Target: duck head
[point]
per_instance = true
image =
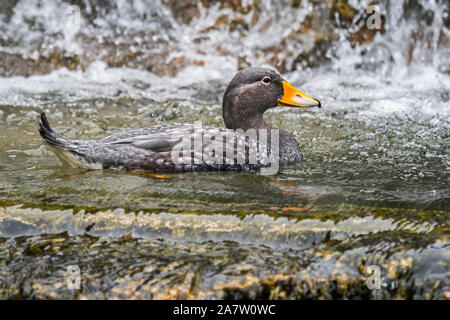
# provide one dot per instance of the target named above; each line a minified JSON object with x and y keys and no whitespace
{"x":252,"y":91}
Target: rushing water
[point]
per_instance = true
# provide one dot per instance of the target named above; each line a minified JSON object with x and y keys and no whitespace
{"x":373,"y":188}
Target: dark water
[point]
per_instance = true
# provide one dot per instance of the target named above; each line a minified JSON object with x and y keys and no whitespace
{"x":373,"y":189}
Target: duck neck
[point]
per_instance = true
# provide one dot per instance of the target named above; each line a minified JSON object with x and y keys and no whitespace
{"x":241,"y":119}
{"x":252,"y":123}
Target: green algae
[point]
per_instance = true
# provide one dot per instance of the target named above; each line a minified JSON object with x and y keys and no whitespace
{"x":140,"y":269}
{"x":190,"y":255}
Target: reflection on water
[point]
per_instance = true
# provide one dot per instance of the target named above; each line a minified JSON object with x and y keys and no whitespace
{"x":373,"y":188}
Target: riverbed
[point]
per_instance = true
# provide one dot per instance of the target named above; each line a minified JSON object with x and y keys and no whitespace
{"x":373,"y":189}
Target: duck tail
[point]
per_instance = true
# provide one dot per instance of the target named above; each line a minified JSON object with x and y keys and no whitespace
{"x":68,"y":151}
{"x":47,"y":133}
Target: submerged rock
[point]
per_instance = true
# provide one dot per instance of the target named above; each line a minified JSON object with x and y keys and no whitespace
{"x":130,"y":268}
{"x":312,"y":254}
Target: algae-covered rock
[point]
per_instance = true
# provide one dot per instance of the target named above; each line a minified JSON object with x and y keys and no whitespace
{"x":129,"y":268}
{"x":313,"y":254}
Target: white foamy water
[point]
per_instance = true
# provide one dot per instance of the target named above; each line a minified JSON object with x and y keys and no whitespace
{"x":386,"y":103}
{"x":392,"y":74}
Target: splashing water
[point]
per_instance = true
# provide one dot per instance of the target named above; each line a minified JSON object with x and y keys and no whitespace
{"x":373,"y":188}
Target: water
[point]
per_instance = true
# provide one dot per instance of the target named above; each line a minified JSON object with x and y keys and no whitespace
{"x":373,"y":188}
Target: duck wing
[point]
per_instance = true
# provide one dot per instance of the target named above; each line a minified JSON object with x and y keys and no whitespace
{"x":160,"y":138}
{"x":173,"y":147}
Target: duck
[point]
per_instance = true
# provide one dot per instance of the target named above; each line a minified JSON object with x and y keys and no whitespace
{"x":247,"y":143}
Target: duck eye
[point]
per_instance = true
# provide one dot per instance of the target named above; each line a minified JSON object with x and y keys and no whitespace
{"x":266,"y":80}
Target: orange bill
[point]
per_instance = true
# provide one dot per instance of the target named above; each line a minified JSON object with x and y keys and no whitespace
{"x":295,"y":98}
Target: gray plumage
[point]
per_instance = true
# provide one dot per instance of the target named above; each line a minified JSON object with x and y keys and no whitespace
{"x":152,"y":149}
